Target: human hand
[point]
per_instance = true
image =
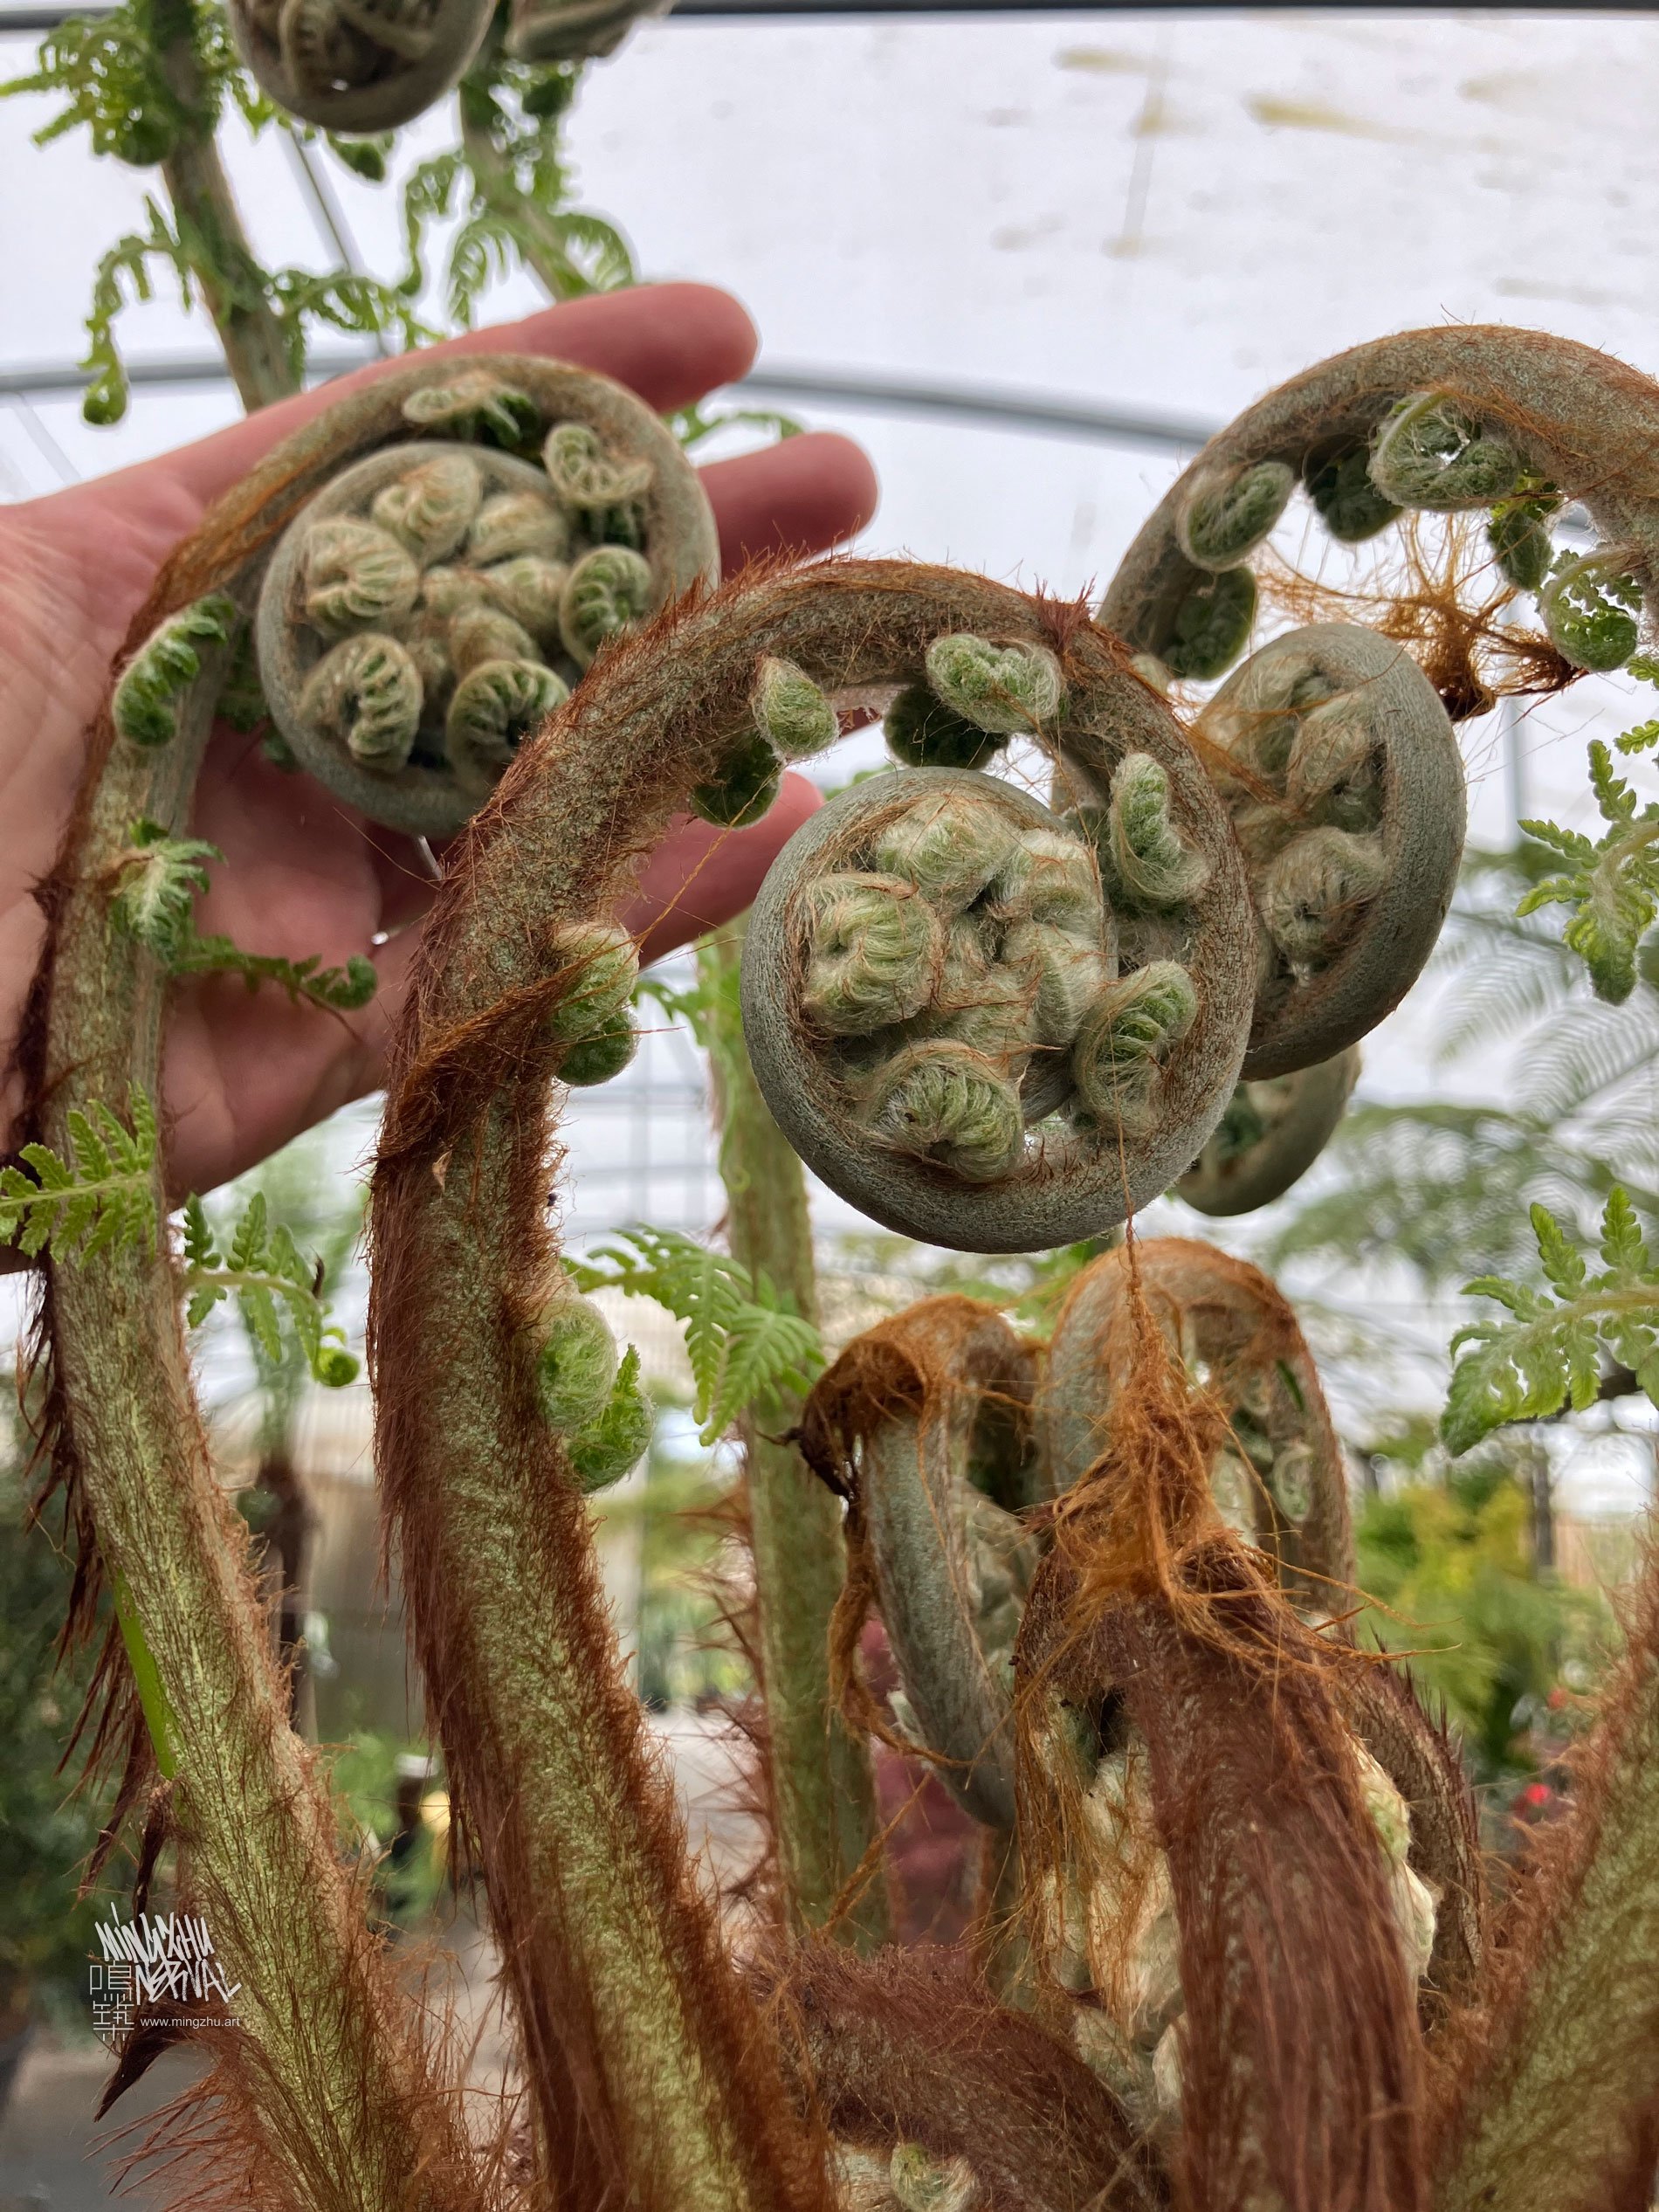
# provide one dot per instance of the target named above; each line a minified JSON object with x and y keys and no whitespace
{"x":303,"y":873}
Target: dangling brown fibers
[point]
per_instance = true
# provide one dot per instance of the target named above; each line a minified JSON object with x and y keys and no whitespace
{"x":1301,"y":2063}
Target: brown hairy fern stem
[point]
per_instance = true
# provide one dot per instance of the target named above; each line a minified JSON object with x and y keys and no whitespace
{"x":1549,"y":2091}
{"x":648,"y":2065}
{"x":330,"y":2096}
{"x":910,"y":2048}
{"x":1300,"y":2065}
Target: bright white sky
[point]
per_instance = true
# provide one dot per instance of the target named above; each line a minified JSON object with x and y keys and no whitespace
{"x":1165,"y":214}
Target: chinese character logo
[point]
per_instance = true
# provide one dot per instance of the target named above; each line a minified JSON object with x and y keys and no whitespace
{"x":152,"y":1967}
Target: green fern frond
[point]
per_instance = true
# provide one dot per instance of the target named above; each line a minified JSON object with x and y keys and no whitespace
{"x":263,"y":1270}
{"x":100,"y":1198}
{"x":157,"y":878}
{"x":1547,"y":1353}
{"x":344,"y":989}
{"x":144,"y":706}
{"x":1613,"y":884}
{"x":745,"y":1341}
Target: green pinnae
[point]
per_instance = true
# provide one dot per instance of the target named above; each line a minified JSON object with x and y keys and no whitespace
{"x":144,"y":705}
{"x":749,"y":782}
{"x":602,"y":1057}
{"x":923,"y":733}
{"x":475,"y":405}
{"x":1519,"y":536}
{"x":1229,"y":512}
{"x":1344,"y":497}
{"x":612,"y":1445}
{"x":576,"y":1364}
{"x":607,"y":591}
{"x":1429,"y":452}
{"x":795,"y":715}
{"x":367,"y":692}
{"x":949,"y":848}
{"x":1590,"y":607}
{"x":583,"y":475}
{"x":945,"y":1102}
{"x":1311,"y":896}
{"x":1000,"y":689}
{"x":496,"y":706}
{"x":602,"y":962}
{"x":429,"y":509}
{"x":512,"y":523}
{"x":1152,"y":863}
{"x":1212,"y":625}
{"x":1125,"y":1037}
{"x":874,"y":951}
{"x":357,"y":576}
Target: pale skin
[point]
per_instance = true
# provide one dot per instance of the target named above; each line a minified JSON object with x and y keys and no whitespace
{"x":303,"y":873}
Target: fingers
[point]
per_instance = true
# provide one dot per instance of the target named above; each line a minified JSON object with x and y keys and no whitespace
{"x":701,"y":876}
{"x":671,"y":343}
{"x":801,"y":496}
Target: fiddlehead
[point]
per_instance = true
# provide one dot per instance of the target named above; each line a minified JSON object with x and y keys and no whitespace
{"x":1341,"y":773}
{"x":1512,"y":421}
{"x":1269,"y":1136}
{"x":923,"y":1422}
{"x":434,"y":601}
{"x":1276,"y":1468}
{"x":358,"y":65}
{"x":965,"y":1021}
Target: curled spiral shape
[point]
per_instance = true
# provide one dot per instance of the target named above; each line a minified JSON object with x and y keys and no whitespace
{"x":924,"y":1423}
{"x":1277,"y":1474}
{"x":1269,"y":1136}
{"x":547,"y":30}
{"x":439,"y":596}
{"x":1513,"y":421}
{"x":358,"y":65}
{"x":953,"y":981}
{"x":1339,"y":768}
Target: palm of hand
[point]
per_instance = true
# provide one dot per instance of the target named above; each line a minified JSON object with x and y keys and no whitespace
{"x":302,"y":874}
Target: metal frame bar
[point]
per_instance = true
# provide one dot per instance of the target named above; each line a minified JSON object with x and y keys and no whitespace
{"x":38,"y":19}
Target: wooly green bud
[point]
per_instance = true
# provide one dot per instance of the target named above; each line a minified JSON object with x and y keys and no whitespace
{"x":475,"y":404}
{"x":495,"y":708}
{"x":601,"y":1056}
{"x":478,"y":634}
{"x":944,"y":1101}
{"x":602,"y":962}
{"x":1062,"y":974}
{"x":1519,"y":536}
{"x":1344,"y":497}
{"x":356,"y":576}
{"x":512,"y":523}
{"x":747,"y":784}
{"x":368,"y":691}
{"x":1212,"y":625}
{"x":1430,"y":453}
{"x":613,"y":1445}
{"x":430,"y":508}
{"x":1590,"y":607}
{"x":923,"y":733}
{"x":1152,"y":863}
{"x":1310,"y":898}
{"x":1332,"y":764}
{"x":531,"y":588}
{"x":1126,"y":1036}
{"x":1002,"y":689}
{"x":608,"y":590}
{"x":875,"y":948}
{"x":584,"y":475}
{"x":1051,"y":877}
{"x":1229,"y":512}
{"x":950,"y":851}
{"x":576,"y":1364}
{"x":145,"y":707}
{"x":792,"y":713}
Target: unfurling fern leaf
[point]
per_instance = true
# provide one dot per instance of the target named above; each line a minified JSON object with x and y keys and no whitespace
{"x":157,"y":880}
{"x":745,"y":1341}
{"x":1548,"y":1355}
{"x":268,"y":1276}
{"x":99,"y":1198}
{"x":1613,"y":883}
